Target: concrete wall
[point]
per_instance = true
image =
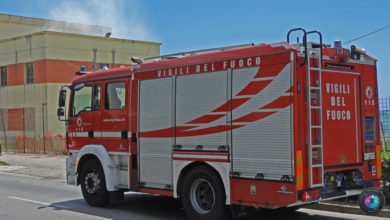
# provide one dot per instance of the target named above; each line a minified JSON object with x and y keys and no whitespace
{"x":22,"y":49}
{"x":72,"y":47}
{"x":80,"y":48}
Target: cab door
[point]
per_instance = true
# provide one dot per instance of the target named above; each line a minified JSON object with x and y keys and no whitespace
{"x":115,"y":120}
{"x":85,"y":115}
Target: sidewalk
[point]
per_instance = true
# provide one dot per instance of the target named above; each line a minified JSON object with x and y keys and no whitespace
{"x":37,"y":165}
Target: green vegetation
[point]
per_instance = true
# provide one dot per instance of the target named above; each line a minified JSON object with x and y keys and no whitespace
{"x":386,"y":164}
{"x":385,"y":154}
{"x":2,"y":163}
{"x":386,"y":172}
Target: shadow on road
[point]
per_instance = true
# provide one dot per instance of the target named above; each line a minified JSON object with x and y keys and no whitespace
{"x":142,"y":206}
{"x":135,"y":206}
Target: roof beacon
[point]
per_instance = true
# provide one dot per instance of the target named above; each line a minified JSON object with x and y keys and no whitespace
{"x":83,"y":70}
{"x":337,"y":44}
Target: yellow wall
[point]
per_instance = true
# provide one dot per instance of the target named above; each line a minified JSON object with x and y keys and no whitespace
{"x":63,"y":46}
{"x":22,"y":49}
{"x":33,"y":96}
{"x":12,"y":26}
{"x":80,"y":48}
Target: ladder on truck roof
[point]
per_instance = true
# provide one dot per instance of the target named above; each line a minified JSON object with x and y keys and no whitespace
{"x":188,"y":53}
{"x":314,"y":108}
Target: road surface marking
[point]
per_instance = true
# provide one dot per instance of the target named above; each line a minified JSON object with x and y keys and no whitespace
{"x":21,"y":175}
{"x":56,"y":179}
{"x":338,"y":215}
{"x":348,"y":206}
{"x":37,"y":202}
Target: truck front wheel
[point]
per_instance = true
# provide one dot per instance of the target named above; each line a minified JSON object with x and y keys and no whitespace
{"x":93,"y":184}
{"x":203,"y":195}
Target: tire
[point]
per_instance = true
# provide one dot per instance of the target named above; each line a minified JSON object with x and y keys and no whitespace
{"x":203,"y":195}
{"x":371,"y":201}
{"x":93,"y":184}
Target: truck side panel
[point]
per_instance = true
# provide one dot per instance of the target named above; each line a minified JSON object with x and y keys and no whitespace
{"x":197,"y":97}
{"x":265,"y":145}
{"x":155,"y":112}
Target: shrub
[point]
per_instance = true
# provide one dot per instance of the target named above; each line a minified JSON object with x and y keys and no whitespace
{"x":386,"y":165}
{"x":386,"y":173}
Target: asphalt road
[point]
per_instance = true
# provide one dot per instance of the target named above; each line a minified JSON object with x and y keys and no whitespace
{"x":23,"y":197}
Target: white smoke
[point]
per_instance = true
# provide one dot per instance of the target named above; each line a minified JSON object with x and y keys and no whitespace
{"x":109,"y":13}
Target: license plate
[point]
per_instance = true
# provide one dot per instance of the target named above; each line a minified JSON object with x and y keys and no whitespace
{"x":369,"y":156}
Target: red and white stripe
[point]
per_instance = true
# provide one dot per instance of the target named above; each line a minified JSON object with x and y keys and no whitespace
{"x":201,"y":156}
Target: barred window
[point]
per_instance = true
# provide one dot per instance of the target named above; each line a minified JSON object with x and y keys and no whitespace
{"x":29,"y":73}
{"x":3,"y":76}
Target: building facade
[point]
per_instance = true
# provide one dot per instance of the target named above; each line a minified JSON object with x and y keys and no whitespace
{"x":38,"y":56}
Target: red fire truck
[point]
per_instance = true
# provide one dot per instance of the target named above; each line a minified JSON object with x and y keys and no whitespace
{"x":273,"y":126}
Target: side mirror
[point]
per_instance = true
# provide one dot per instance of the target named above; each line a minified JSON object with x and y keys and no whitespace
{"x":60,"y":112}
{"x":62,"y":105}
{"x":62,"y":98}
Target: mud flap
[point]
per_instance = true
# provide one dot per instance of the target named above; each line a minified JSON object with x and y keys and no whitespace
{"x":372,"y":200}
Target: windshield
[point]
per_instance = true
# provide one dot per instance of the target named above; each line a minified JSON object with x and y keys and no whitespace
{"x":82,"y":100}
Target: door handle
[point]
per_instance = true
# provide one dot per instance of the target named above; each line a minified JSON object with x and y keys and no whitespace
{"x":124,"y":135}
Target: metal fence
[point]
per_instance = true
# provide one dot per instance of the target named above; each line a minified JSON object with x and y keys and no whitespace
{"x":31,"y":130}
{"x":33,"y":144}
{"x":384,"y":109}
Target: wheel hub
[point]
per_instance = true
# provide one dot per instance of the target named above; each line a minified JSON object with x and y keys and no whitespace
{"x":371,"y":201}
{"x":92,"y":182}
{"x":202,"y":196}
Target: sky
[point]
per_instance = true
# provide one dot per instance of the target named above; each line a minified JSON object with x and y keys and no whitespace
{"x":182,"y":25}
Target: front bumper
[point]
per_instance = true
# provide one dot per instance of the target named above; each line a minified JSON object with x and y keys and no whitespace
{"x":71,"y":174}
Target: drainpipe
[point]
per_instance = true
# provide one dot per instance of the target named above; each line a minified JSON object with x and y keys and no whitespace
{"x":43,"y":127}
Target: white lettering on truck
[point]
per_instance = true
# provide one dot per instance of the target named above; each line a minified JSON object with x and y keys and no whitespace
{"x":338,"y":92}
{"x":210,"y":67}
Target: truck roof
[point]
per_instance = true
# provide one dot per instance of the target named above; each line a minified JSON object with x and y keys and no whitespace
{"x":256,"y":49}
{"x":197,"y":58}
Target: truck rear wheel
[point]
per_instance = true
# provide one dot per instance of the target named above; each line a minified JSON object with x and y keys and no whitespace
{"x":93,"y":184}
{"x":203,"y":195}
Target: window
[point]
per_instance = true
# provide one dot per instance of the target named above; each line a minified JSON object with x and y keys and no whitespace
{"x":3,"y":76}
{"x":29,"y":67}
{"x":115,"y":95}
{"x":96,"y":98}
{"x":86,"y":98}
{"x":369,"y":129}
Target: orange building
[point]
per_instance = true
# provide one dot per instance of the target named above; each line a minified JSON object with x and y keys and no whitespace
{"x":37,"y":56}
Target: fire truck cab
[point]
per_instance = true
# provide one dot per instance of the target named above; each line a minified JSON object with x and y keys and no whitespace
{"x":262,"y":125}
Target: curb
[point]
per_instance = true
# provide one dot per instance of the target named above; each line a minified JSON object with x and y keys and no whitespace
{"x":349,"y":209}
